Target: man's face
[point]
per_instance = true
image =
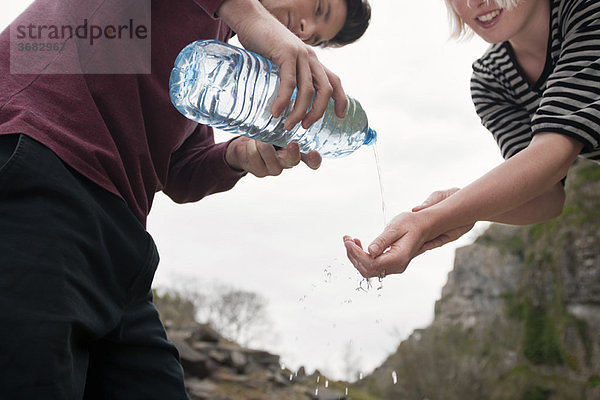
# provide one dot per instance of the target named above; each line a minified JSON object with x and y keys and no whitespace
{"x":313,"y":21}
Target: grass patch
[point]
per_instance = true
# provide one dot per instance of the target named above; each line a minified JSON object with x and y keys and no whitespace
{"x":514,"y":306}
{"x":536,"y":393}
{"x":593,"y":381}
{"x":541,"y":342}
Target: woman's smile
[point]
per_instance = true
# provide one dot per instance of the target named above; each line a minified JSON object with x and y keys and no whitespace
{"x":488,"y":19}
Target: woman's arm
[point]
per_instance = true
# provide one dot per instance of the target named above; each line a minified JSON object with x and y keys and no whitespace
{"x":546,"y":206}
{"x":505,"y":194}
{"x":517,"y":181}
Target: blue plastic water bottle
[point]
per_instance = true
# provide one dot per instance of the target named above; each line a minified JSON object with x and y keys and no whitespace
{"x":233,"y":89}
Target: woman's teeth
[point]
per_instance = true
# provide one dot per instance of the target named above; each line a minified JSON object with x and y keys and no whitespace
{"x":489,"y":16}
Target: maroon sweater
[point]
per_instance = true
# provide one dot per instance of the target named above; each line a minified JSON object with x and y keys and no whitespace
{"x":121,"y":130}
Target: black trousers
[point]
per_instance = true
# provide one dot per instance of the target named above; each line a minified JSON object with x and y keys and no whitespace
{"x":76,"y":267}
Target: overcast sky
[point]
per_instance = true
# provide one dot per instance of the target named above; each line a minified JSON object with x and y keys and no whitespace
{"x":282,"y":236}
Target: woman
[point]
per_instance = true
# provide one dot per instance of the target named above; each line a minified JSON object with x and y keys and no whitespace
{"x":536,"y":90}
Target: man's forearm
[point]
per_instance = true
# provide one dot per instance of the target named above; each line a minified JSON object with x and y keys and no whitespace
{"x":236,"y":12}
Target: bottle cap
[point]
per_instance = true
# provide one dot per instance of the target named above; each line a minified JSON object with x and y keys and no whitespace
{"x":371,"y":137}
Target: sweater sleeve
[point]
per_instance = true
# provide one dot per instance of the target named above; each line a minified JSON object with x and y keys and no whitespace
{"x":210,"y":7}
{"x":571,"y":101}
{"x":198,"y":168}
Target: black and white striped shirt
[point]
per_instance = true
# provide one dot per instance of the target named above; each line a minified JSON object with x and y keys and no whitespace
{"x":565,"y":99}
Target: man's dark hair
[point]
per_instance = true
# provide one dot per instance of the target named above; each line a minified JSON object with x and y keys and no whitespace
{"x":357,"y":22}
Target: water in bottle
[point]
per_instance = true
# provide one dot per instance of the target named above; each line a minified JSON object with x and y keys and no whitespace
{"x":233,"y":89}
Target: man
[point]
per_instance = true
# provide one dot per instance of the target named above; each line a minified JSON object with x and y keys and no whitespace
{"x":83,"y":150}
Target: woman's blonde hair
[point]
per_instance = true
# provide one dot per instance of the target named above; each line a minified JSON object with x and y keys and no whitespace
{"x":458,"y":28}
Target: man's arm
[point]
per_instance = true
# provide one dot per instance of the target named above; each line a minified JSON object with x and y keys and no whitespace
{"x":259,"y":31}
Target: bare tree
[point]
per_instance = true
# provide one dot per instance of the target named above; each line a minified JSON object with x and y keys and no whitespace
{"x":238,"y":315}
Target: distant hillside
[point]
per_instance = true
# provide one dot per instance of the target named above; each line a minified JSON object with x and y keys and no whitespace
{"x":519,"y":317}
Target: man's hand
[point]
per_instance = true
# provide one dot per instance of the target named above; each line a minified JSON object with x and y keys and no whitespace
{"x":262,"y":159}
{"x":259,"y":31}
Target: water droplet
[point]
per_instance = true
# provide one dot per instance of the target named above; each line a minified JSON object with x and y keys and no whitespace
{"x":364,"y":285}
{"x":318,"y":378}
{"x":394,"y":377}
{"x":326,"y":383}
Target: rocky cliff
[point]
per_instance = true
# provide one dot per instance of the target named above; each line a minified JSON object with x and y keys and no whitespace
{"x":218,"y":369}
{"x":519,"y":317}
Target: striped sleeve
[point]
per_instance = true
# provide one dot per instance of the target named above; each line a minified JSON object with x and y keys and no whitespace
{"x":494,"y":97}
{"x":570,"y":105}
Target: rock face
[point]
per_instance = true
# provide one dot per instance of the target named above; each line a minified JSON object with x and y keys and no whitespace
{"x":519,"y":317}
{"x":217,"y":369}
{"x":482,"y":274}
